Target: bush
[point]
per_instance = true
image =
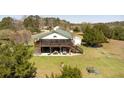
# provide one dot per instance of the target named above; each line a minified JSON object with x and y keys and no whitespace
{"x":68,"y":72}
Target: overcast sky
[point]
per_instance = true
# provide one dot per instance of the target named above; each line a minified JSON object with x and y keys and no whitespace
{"x":80,"y":18}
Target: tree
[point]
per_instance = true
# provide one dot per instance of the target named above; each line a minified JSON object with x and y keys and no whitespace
{"x":5,"y":36}
{"x":57,"y":22}
{"x":68,"y":72}
{"x":14,"y":61}
{"x":18,"y":25}
{"x":105,"y":29}
{"x":26,"y":36}
{"x":83,"y":26}
{"x":118,"y":33}
{"x":7,"y":23}
{"x":32,"y":23}
{"x":22,"y":36}
{"x":76,"y":29}
{"x":94,"y":37}
{"x":16,"y":37}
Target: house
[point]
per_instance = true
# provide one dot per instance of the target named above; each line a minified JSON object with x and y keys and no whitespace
{"x":56,"y":41}
{"x":77,"y":40}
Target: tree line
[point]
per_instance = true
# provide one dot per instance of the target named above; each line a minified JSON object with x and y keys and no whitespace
{"x":35,"y":24}
{"x":94,"y":34}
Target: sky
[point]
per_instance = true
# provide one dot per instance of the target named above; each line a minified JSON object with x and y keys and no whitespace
{"x":79,"y":18}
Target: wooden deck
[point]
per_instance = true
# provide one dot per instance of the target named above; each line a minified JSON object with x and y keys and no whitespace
{"x":55,"y":43}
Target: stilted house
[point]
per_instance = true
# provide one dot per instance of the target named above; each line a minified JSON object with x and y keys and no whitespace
{"x":56,"y":41}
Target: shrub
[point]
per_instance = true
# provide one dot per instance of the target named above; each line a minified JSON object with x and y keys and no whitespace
{"x":68,"y":72}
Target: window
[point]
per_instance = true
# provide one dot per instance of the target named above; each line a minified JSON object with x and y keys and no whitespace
{"x":54,"y":36}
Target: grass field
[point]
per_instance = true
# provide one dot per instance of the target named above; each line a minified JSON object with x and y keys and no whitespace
{"x":108,"y":60}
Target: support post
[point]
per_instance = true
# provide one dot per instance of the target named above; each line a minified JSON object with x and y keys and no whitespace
{"x":50,"y":50}
{"x":60,"y":50}
{"x":70,"y":51}
{"x":41,"y":49}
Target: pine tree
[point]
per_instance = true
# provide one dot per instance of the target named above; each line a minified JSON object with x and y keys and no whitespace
{"x":14,"y":61}
{"x":105,"y":29}
{"x":32,"y":23}
{"x":94,"y":37}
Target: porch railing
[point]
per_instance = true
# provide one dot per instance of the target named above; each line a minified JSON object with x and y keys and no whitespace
{"x":60,"y":42}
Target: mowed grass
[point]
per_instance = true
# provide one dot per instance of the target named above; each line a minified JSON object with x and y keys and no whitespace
{"x":107,"y":62}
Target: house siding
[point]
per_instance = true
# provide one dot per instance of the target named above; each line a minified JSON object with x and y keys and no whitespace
{"x":54,"y":36}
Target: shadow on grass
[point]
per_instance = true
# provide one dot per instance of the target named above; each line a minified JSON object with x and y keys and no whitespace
{"x":92,"y":46}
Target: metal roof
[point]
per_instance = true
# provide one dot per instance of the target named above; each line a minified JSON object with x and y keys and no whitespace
{"x":59,"y":31}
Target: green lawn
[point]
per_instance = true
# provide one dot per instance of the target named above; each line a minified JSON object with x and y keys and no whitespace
{"x":109,"y":65}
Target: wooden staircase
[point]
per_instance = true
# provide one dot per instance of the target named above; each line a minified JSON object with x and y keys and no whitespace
{"x":76,"y":49}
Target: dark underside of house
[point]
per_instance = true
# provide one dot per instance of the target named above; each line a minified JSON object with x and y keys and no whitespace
{"x":54,"y":46}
